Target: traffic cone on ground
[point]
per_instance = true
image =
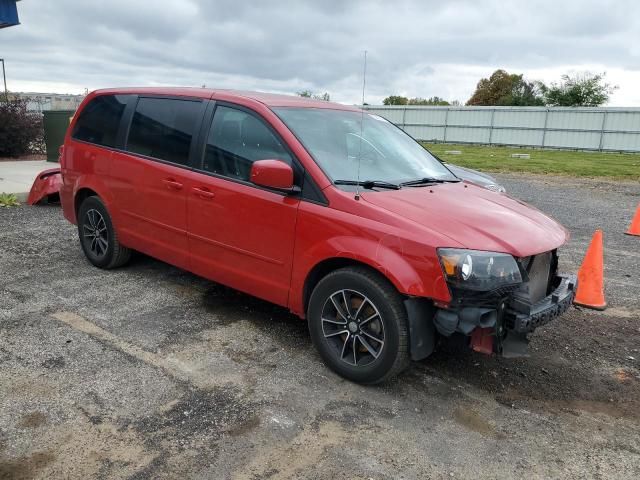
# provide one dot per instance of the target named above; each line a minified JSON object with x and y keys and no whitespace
{"x":590,"y":292}
{"x":634,"y":228}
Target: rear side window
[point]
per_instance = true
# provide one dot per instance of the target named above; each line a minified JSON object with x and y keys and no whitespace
{"x":99,"y":121}
{"x":163,"y":128}
{"x":236,"y":140}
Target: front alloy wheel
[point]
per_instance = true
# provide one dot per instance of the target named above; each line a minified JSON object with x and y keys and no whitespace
{"x":358,"y":324}
{"x":353,"y":327}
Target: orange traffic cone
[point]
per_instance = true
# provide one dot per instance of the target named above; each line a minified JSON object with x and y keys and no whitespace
{"x":590,"y":292}
{"x":634,"y":228}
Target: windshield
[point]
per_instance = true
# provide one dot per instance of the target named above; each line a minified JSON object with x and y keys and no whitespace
{"x":381,"y":151}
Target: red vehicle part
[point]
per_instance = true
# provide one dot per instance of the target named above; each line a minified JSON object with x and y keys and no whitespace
{"x":46,"y":185}
{"x":482,"y":340}
{"x":272,"y":173}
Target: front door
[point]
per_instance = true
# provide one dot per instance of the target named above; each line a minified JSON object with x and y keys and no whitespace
{"x":240,"y":234}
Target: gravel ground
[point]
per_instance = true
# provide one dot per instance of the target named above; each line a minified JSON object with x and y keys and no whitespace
{"x":151,"y":372}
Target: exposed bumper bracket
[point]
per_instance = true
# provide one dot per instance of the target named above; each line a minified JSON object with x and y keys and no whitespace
{"x":524,"y":318}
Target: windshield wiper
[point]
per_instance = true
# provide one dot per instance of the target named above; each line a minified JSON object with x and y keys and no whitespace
{"x":369,"y":184}
{"x":426,"y":180}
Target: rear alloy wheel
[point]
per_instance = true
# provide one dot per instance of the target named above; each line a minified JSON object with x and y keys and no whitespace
{"x":97,"y":236}
{"x":358,"y":324}
{"x":94,"y":233}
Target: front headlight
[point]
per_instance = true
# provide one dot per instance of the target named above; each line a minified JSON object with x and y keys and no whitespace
{"x":478,"y":270}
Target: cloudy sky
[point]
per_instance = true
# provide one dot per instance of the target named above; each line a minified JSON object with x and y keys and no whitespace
{"x":415,"y":47}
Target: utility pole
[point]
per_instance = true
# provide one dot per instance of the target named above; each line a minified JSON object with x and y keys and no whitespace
{"x":4,"y":76}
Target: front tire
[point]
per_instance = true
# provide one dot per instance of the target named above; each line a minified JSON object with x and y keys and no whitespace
{"x":358,"y":324}
{"x":98,"y":238}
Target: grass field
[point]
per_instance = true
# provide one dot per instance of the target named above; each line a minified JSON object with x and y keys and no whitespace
{"x":563,"y":162}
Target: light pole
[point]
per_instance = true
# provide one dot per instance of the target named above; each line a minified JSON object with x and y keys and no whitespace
{"x":4,"y":76}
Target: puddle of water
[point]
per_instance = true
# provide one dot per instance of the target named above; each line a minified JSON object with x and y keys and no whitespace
{"x":473,"y":421}
{"x":25,"y":467}
{"x":33,"y":420}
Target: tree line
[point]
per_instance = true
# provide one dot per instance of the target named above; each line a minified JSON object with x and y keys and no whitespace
{"x":509,"y":89}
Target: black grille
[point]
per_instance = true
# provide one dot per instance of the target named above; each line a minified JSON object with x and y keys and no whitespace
{"x":490,"y":299}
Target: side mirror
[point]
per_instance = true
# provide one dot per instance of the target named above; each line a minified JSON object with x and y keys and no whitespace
{"x":273,"y":174}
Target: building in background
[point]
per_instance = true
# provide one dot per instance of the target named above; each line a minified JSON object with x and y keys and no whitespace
{"x":40,"y":102}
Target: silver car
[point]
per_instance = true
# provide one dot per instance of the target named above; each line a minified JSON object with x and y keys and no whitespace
{"x":479,"y":178}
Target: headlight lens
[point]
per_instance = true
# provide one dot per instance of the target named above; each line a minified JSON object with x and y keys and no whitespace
{"x":478,"y":270}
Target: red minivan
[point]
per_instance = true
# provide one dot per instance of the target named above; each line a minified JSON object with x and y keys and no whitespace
{"x":328,"y":210}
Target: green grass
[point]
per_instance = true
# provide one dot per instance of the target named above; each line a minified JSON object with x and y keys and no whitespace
{"x":557,"y":162}
{"x":8,"y":200}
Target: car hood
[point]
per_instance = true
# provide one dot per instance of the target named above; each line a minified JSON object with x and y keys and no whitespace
{"x":474,"y":217}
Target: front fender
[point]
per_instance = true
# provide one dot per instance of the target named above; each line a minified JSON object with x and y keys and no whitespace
{"x":386,"y":255}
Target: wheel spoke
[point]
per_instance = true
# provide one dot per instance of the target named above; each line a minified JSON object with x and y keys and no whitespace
{"x":99,"y":247}
{"x":344,"y":346}
{"x":347,"y":307}
{"x":365,"y":300}
{"x":338,"y":309}
{"x":368,"y":319}
{"x":372,"y":337}
{"x":336,"y":322}
{"x":333,"y":334}
{"x":355,"y":351}
{"x":93,"y":247}
{"x":103,"y":244}
{"x":368,"y":346}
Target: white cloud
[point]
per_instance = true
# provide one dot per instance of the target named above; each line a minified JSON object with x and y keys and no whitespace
{"x":416,"y":48}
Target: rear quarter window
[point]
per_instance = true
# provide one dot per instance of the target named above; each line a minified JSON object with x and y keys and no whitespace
{"x":163,"y":128}
{"x":99,"y":121}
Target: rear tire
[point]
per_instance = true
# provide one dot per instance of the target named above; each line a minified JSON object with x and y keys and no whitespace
{"x":98,"y":238}
{"x":366,"y":342}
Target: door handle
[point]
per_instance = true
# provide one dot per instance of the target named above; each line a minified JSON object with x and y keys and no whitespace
{"x":172,"y":184}
{"x":201,"y":192}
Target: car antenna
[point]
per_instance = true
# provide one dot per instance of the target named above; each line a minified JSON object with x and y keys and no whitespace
{"x":364,"y":83}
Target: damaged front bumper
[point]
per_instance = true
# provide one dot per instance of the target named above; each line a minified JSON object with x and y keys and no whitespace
{"x":499,"y":321}
{"x":46,"y":185}
{"x":523,"y":317}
